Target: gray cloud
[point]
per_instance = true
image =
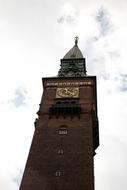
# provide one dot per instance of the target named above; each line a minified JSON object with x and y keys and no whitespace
{"x":19,"y":97}
{"x":66,"y":19}
{"x":123,"y":82}
{"x":102,"y":18}
{"x":114,"y":54}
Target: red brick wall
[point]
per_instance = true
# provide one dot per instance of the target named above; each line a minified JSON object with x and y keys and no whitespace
{"x":75,"y":164}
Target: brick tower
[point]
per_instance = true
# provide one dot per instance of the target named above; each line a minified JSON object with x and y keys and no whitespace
{"x":66,"y":131}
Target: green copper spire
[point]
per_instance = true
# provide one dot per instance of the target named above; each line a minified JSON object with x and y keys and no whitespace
{"x":73,"y":63}
{"x":74,"y":52}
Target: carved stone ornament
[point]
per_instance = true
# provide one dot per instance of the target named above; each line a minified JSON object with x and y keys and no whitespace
{"x":67,"y":92}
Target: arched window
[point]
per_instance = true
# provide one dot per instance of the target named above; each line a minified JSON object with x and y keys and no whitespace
{"x":60,"y":151}
{"x":57,"y":173}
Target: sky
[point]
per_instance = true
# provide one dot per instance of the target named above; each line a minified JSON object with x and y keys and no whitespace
{"x":34,"y":36}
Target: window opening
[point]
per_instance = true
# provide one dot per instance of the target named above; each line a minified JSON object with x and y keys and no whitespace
{"x":60,"y":151}
{"x":58,"y":173}
{"x":62,"y":131}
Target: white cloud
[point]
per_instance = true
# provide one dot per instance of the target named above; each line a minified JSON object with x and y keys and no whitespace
{"x":31,"y":44}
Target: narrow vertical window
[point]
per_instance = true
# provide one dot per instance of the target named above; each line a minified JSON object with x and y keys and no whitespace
{"x":57,"y":173}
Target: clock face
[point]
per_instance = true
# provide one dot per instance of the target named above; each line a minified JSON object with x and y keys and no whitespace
{"x":67,"y":92}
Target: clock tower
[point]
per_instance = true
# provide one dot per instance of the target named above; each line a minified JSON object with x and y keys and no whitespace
{"x":66,"y":134}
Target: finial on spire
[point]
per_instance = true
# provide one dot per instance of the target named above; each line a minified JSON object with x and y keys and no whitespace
{"x":76,"y":40}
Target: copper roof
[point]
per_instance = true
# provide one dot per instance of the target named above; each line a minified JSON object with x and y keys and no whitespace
{"x":73,"y":53}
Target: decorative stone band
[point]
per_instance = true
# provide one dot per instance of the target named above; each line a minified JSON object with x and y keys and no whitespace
{"x":82,"y":83}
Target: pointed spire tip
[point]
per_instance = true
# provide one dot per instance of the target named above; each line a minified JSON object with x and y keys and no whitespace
{"x":76,"y":40}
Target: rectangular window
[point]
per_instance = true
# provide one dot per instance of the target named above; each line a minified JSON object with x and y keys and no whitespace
{"x":62,"y":131}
